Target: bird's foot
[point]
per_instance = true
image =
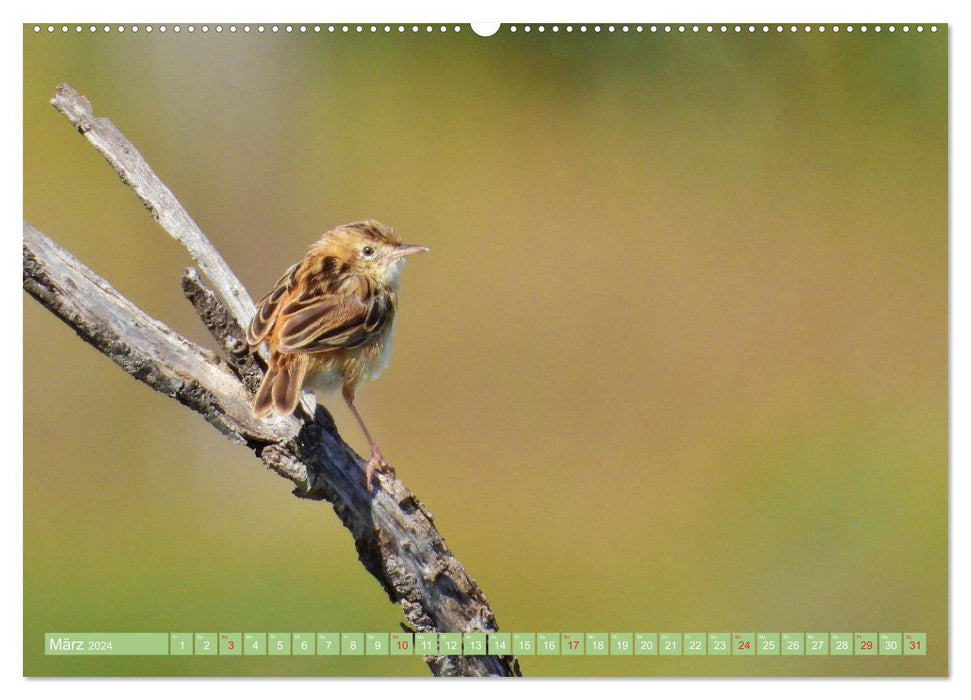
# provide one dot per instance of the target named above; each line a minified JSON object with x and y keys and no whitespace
{"x":376,"y":464}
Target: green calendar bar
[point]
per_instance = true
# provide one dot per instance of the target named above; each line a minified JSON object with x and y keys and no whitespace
{"x":107,"y":644}
{"x":568,"y":644}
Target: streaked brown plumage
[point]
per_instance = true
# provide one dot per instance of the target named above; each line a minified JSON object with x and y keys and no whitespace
{"x":329,"y":320}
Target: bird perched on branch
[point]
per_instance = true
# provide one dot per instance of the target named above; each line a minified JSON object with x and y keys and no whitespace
{"x":329,"y":321}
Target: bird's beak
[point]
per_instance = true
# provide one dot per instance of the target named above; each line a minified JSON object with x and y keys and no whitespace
{"x":405,"y":249}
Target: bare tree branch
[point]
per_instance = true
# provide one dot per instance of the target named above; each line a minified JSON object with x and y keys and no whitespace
{"x":394,"y":533}
{"x":157,"y":198}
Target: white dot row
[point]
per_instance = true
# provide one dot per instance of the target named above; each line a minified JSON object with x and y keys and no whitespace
{"x":751,"y":28}
{"x":246,"y":28}
{"x":347,"y":29}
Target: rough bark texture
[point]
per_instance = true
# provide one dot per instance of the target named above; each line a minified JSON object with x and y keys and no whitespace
{"x":394,"y":533}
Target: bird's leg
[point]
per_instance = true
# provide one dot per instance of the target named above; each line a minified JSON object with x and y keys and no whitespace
{"x":376,"y":463}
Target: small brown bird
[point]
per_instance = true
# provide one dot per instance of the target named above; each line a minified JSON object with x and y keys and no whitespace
{"x":329,"y":321}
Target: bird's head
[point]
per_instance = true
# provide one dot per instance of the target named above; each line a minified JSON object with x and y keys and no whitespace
{"x":366,"y":248}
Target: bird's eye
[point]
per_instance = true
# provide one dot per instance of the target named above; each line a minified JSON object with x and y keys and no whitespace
{"x":367,"y":251}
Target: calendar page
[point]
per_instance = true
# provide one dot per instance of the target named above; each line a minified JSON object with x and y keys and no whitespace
{"x":668,"y":387}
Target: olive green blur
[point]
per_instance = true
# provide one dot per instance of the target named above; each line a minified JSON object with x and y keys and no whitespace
{"x":677,"y":359}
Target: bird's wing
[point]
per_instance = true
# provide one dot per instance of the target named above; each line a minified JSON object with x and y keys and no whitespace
{"x":332,"y":321}
{"x":268,"y":307}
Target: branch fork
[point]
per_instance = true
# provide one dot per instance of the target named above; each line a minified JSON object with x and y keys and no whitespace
{"x":394,"y":534}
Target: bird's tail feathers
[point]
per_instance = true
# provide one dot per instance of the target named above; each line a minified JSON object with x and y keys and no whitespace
{"x":280,"y":390}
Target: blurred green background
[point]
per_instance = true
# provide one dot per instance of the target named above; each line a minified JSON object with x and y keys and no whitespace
{"x":677,"y":360}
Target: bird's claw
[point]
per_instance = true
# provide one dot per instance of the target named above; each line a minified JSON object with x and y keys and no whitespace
{"x":376,"y":464}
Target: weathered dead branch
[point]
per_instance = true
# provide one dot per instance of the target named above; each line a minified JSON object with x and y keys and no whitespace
{"x":394,"y":533}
